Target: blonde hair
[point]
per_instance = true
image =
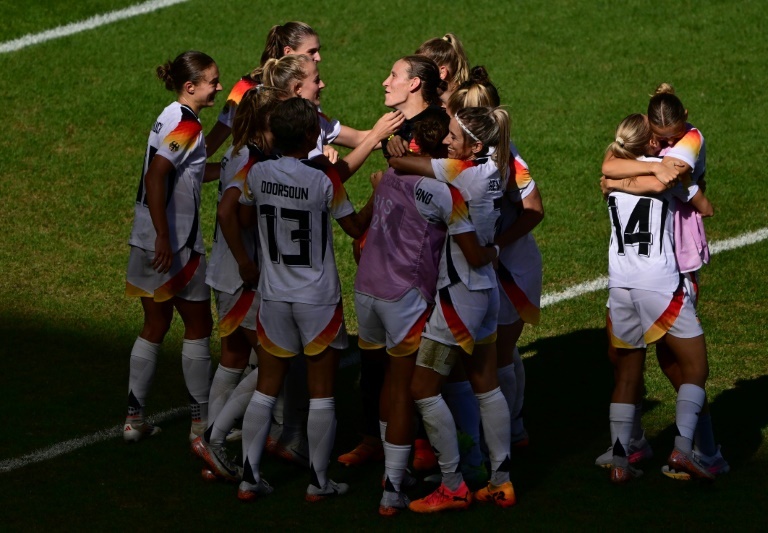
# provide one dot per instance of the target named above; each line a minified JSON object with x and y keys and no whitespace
{"x":477,"y":91}
{"x":665,"y":109}
{"x":632,"y":137}
{"x":251,"y":122}
{"x":282,"y":73}
{"x":290,"y":34}
{"x":447,"y":51}
{"x":490,"y":126}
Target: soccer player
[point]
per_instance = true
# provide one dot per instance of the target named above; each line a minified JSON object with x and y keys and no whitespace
{"x":448,"y":54}
{"x":166,"y":266}
{"x":301,"y":311}
{"x":463,"y":324}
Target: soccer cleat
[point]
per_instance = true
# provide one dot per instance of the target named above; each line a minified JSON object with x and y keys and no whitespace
{"x":208,"y":475}
{"x":682,"y":466}
{"x":295,"y":452}
{"x":638,"y":451}
{"x":392,"y":503}
{"x":234,"y":435}
{"x":502,"y":495}
{"x":443,"y":499}
{"x":408,"y":481}
{"x":424,"y":457}
{"x":316,"y":494}
{"x":367,"y":451}
{"x":197,"y":429}
{"x":622,"y":471}
{"x":217,"y":460}
{"x":247,"y":492}
{"x":136,"y":429}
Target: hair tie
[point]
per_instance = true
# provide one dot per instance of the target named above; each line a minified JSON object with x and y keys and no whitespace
{"x":620,"y":141}
{"x":466,"y":129}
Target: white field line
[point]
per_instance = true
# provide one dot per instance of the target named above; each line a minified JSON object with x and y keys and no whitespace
{"x":87,"y":24}
{"x":548,"y":299}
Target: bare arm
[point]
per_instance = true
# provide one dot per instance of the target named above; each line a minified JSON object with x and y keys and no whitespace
{"x":350,"y":137}
{"x":212,"y":172}
{"x":216,"y":138}
{"x":411,"y":164}
{"x":228,"y":216}
{"x":702,"y":204}
{"x":532,"y":215}
{"x":154,"y":182}
{"x":636,"y":185}
{"x":355,"y":224}
{"x":385,"y":126}
{"x":477,"y":256}
{"x":617,"y":169}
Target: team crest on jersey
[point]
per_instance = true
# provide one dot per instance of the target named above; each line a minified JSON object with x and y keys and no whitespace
{"x":174,"y":146}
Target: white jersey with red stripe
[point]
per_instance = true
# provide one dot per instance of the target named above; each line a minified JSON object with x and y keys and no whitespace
{"x":329,"y":130}
{"x":223,"y":273}
{"x":642,"y":249}
{"x":243,"y":85}
{"x":177,"y":135}
{"x":479,"y":183}
{"x":295,"y":202}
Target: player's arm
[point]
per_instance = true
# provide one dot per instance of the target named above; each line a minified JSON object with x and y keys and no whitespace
{"x":530,"y":217}
{"x":227,"y":215}
{"x":356,"y":224}
{"x":477,"y":256}
{"x":385,"y":126}
{"x":702,"y":204}
{"x":154,"y":182}
{"x":618,"y":169}
{"x":216,"y":137}
{"x":638,"y":185}
{"x":350,"y":137}
{"x":411,"y":164}
{"x":212,"y":172}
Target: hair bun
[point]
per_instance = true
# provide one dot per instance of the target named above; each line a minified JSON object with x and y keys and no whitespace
{"x":478,"y":74}
{"x":664,"y":88}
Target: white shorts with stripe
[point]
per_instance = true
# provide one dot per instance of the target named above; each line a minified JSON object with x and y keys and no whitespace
{"x":237,"y":310}
{"x":519,"y":296}
{"x":637,"y":318}
{"x":185,"y":279}
{"x":286,"y":329}
{"x":395,"y":325}
{"x":464,"y":318}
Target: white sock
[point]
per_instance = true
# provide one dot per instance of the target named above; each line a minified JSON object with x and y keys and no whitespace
{"x":621,"y":417}
{"x":321,"y":433}
{"x":395,"y":463}
{"x":233,"y":410}
{"x":466,"y":414}
{"x":495,"y":415}
{"x":255,"y":431}
{"x":196,"y":364}
{"x":508,"y":385}
{"x":690,"y":400}
{"x":143,"y":364}
{"x":516,"y":418}
{"x":441,"y":430}
{"x":224,"y":382}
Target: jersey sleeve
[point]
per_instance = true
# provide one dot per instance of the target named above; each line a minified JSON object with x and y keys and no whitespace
{"x":247,"y":197}
{"x":329,"y":128}
{"x":520,"y":183}
{"x":687,"y":149}
{"x":180,"y":137}
{"x":438,"y":202}
{"x":227,"y":115}
{"x":336,"y":195}
{"x":451,"y":171}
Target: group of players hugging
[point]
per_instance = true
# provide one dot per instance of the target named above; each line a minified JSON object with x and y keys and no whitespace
{"x":448,"y":274}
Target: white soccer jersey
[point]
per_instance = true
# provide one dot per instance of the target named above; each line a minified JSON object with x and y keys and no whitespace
{"x":692,"y":150}
{"x":329,"y":130}
{"x":243,"y":85}
{"x":642,"y":249}
{"x":177,"y":136}
{"x":223,"y":272}
{"x":479,"y":183}
{"x":439,"y":203}
{"x":295,"y":202}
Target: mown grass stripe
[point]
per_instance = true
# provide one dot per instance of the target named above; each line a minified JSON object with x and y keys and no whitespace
{"x":575,"y":291}
{"x":87,"y":24}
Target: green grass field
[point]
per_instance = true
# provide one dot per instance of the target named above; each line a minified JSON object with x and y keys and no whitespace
{"x":76,"y":118}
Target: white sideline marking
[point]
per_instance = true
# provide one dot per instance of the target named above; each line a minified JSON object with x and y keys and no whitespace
{"x":548,"y":299}
{"x":87,"y":24}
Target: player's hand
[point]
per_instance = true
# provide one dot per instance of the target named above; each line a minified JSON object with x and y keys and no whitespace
{"x":605,"y":186}
{"x":376,"y":178}
{"x":397,"y":146}
{"x":331,"y":153}
{"x":388,"y":124}
{"x":249,"y":273}
{"x":163,"y":255}
{"x":668,"y":174}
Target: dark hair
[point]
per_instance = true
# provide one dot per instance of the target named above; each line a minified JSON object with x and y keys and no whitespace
{"x":447,"y":51}
{"x":478,"y":91}
{"x":251,"y":121}
{"x":294,"y":122}
{"x":188,"y":66}
{"x":665,"y":109}
{"x":289,"y":34}
{"x":428,"y":72}
{"x":430,"y":131}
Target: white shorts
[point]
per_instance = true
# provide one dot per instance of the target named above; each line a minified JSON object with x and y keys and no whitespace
{"x":286,"y":329}
{"x":691,"y":286}
{"x":185,"y":279}
{"x":395,"y":325}
{"x":637,"y":318}
{"x":237,"y":310}
{"x":464,"y":318}
{"x":519,"y":299}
